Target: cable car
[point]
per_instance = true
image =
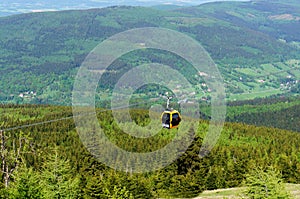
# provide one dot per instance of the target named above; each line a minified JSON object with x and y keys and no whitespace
{"x":170,"y":118}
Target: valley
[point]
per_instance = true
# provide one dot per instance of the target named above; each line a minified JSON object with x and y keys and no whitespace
{"x":64,"y":138}
{"x":41,"y":52}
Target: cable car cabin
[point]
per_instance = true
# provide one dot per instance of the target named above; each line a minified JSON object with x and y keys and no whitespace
{"x":170,"y":119}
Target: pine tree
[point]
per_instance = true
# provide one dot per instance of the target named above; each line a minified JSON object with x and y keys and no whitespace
{"x":265,"y":184}
{"x":25,"y":184}
{"x":94,"y":187}
{"x":118,"y":193}
{"x":57,"y":180}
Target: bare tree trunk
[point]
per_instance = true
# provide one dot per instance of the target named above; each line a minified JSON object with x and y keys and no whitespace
{"x":4,"y":167}
{"x":10,"y":157}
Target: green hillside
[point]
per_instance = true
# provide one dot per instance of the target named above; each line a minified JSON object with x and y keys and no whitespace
{"x":288,"y":2}
{"x":167,"y":7}
{"x":279,"y":113}
{"x":54,"y":160}
{"x":255,"y":45}
{"x":277,"y":20}
{"x":46,"y":153}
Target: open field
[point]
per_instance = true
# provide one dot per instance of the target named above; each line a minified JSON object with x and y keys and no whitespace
{"x":294,"y":189}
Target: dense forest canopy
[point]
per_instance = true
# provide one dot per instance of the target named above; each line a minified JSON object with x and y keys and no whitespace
{"x":240,"y":149}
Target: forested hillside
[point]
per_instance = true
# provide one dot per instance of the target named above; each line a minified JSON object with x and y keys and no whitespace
{"x":255,"y":46}
{"x":278,"y":112}
{"x":53,"y":162}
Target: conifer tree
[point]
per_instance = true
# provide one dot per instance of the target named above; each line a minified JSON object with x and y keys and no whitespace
{"x":25,"y":184}
{"x":57,"y":180}
{"x":265,"y":184}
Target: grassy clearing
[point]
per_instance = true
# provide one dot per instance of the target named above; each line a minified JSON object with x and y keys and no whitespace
{"x":294,"y":189}
{"x":256,"y":94}
{"x":264,"y":80}
{"x":221,"y":193}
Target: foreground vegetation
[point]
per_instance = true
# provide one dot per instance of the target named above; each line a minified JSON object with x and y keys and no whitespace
{"x":255,"y":49}
{"x":53,"y":163}
{"x":237,"y":192}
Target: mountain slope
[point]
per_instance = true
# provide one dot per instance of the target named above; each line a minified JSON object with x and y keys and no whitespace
{"x":263,"y":20}
{"x":240,"y":149}
{"x":41,"y":52}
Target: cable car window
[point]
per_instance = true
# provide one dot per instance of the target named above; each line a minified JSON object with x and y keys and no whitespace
{"x":175,"y":119}
{"x":166,"y":118}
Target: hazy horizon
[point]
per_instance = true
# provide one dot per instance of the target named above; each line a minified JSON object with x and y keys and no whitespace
{"x":8,"y":7}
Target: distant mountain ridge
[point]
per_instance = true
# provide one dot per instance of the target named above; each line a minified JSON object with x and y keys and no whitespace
{"x":11,"y":7}
{"x":41,"y":52}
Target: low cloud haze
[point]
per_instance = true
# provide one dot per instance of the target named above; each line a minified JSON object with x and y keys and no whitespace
{"x":9,"y":7}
